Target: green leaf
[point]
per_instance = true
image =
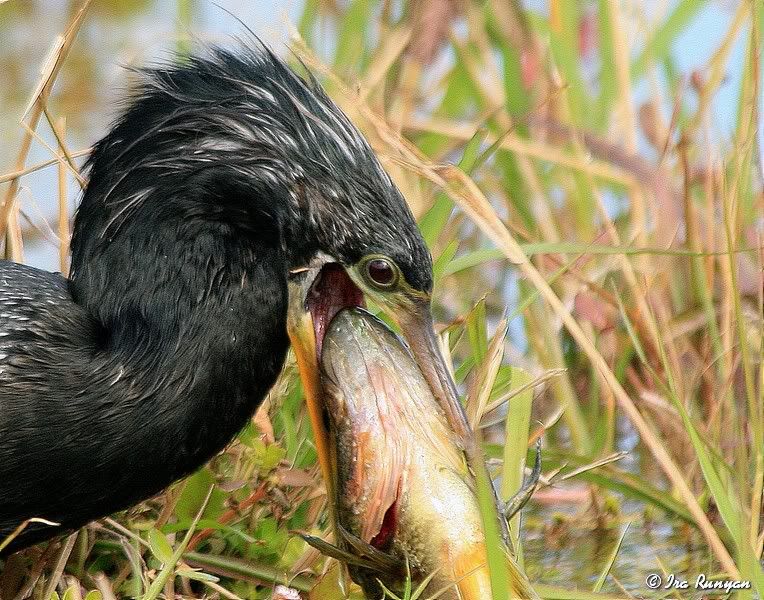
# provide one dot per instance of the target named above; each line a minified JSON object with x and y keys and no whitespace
{"x":476,"y":331}
{"x":629,"y":327}
{"x":252,"y":569}
{"x":435,"y":219}
{"x":481,"y":256}
{"x":445,"y":258}
{"x":516,"y":448}
{"x":160,"y":546}
{"x":197,"y":575}
{"x":351,"y":38}
{"x":472,"y":150}
{"x":169,"y":567}
{"x":194,"y":492}
{"x":308,"y":20}
{"x":564,"y":46}
{"x":271,"y":457}
{"x":494,"y":546}
{"x":607,"y":79}
{"x":184,"y":524}
{"x":518,"y":99}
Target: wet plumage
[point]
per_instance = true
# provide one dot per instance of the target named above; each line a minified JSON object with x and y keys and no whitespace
{"x":222,"y":174}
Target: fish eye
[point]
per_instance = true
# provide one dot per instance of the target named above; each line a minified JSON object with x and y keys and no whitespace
{"x":381,"y":272}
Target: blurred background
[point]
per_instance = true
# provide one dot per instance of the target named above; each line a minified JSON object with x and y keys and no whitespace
{"x":136,"y":32}
{"x":618,"y":141}
{"x":117,"y":34}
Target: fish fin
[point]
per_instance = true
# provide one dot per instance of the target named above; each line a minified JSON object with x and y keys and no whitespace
{"x":332,"y":551}
{"x":520,"y":499}
{"x":384,"y":562}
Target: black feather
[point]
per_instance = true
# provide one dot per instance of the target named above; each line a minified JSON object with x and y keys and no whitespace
{"x":223,"y":172}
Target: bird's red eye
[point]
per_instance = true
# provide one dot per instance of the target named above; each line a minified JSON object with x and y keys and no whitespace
{"x":381,"y":272}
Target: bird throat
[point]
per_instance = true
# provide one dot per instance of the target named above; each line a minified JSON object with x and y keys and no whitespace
{"x":332,"y":291}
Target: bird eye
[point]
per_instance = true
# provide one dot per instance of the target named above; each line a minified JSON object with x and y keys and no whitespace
{"x":382,"y":273}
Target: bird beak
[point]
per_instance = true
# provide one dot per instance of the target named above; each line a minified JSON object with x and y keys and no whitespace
{"x":316,"y":294}
{"x":415,"y":322}
{"x":301,"y":330}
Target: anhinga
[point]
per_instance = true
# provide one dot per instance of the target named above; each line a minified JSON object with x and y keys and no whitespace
{"x":226,"y":175}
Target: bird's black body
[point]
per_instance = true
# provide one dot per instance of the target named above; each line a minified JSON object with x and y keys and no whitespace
{"x":221,"y":175}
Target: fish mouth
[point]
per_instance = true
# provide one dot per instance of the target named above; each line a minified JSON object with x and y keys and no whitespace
{"x":397,"y":470}
{"x":331,"y":291}
{"x":388,"y":529}
{"x":317,"y":293}
{"x":369,"y":444}
{"x":395,"y":474}
{"x":317,"y":297}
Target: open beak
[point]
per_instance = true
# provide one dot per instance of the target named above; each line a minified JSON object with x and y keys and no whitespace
{"x":415,"y":322}
{"x":302,"y":335}
{"x":316,"y":294}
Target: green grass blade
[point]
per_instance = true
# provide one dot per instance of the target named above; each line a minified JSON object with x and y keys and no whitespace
{"x":434,"y":220}
{"x":611,"y":561}
{"x":168,"y":568}
{"x":350,"y":41}
{"x":516,"y":449}
{"x":493,"y":539}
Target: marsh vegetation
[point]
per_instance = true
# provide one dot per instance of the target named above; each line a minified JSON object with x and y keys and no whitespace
{"x":588,"y":176}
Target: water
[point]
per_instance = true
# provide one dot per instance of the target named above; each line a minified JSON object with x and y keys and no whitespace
{"x":569,"y":547}
{"x":570,"y":540}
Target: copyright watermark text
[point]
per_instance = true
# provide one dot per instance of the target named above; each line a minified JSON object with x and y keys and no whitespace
{"x":654,"y":581}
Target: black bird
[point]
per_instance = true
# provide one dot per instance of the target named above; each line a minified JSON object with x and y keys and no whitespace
{"x":226,"y":175}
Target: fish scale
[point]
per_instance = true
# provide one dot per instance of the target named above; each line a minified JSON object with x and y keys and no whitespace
{"x":411,"y":463}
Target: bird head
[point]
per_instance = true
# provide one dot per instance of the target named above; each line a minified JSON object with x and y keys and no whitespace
{"x":236,"y":146}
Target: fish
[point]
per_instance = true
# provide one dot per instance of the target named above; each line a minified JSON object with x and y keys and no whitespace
{"x":403,"y":497}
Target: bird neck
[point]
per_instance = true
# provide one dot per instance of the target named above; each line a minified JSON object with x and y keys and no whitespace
{"x":192,"y":315}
